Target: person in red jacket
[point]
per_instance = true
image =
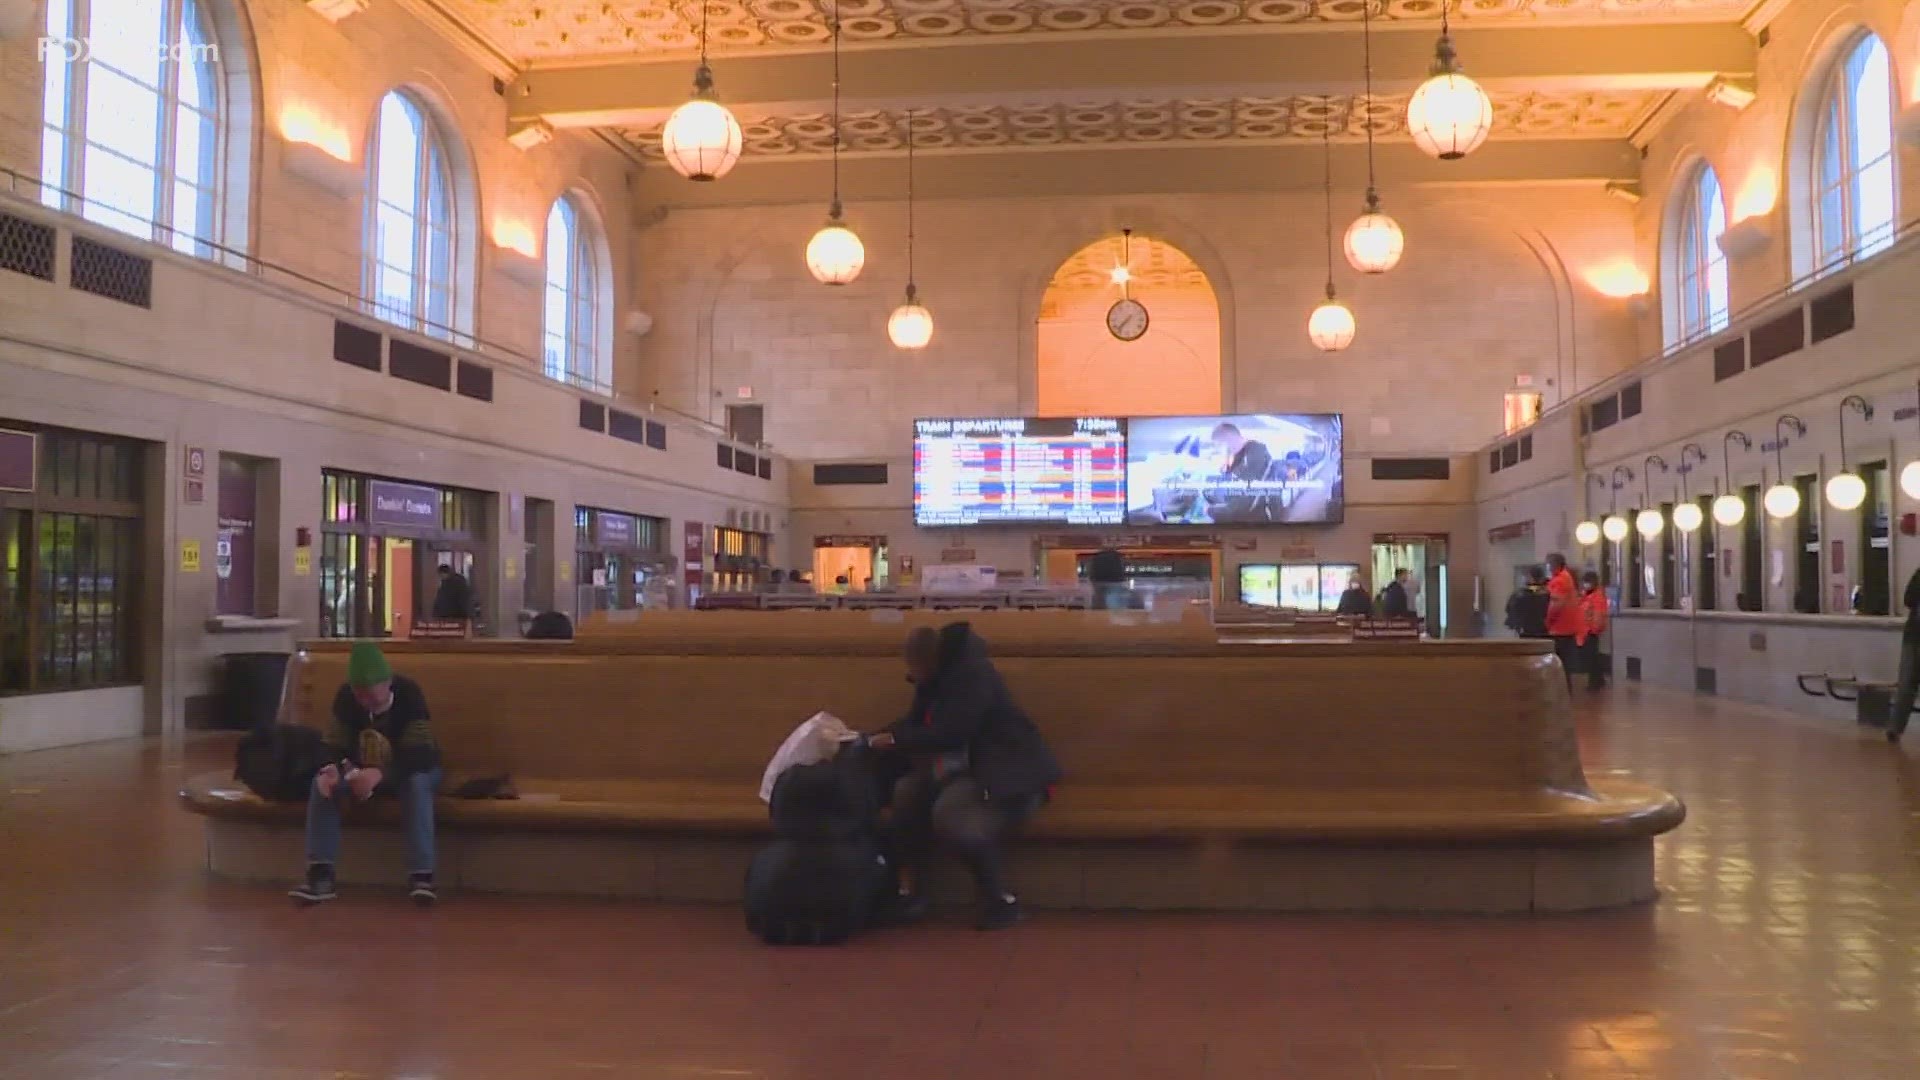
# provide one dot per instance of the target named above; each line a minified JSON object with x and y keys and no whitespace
{"x":1594,"y":608}
{"x":1566,"y":620}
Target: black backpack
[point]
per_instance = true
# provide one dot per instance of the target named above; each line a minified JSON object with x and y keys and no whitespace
{"x":820,"y":881}
{"x":550,"y":626}
{"x":278,"y":762}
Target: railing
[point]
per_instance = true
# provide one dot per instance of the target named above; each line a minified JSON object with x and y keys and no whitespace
{"x":33,"y":190}
{"x":1748,"y":316}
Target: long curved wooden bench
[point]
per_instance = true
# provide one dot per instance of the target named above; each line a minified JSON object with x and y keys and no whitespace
{"x":1197,"y":770}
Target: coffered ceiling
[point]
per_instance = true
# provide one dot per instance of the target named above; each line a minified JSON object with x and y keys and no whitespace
{"x":1100,"y":95}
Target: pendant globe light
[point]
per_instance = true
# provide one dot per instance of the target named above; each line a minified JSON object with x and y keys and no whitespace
{"x":1331,"y":326}
{"x":1845,"y":489}
{"x":1649,"y":522}
{"x":1686,"y":513}
{"x":1449,"y":116}
{"x":1374,"y":241}
{"x":1730,"y":509}
{"x":1783,"y":499}
{"x":1910,"y":476}
{"x":911,"y":324}
{"x":835,"y":255}
{"x":701,"y":139}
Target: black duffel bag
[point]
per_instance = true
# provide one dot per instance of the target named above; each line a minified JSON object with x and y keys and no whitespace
{"x":823,"y":878}
{"x":278,"y":762}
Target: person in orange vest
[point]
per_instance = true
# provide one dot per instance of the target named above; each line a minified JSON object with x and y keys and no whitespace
{"x":1566,"y":619}
{"x":1593,"y":606}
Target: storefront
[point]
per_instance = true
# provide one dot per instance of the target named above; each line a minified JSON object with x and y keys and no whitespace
{"x":860,"y":560}
{"x":620,"y":560}
{"x":382,"y":543}
{"x":71,"y":517}
{"x":1172,"y":565}
{"x":740,"y":560}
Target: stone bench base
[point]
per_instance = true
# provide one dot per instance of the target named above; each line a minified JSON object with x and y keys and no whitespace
{"x":1487,"y":879}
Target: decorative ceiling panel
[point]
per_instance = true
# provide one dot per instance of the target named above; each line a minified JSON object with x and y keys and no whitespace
{"x":1607,"y":114}
{"x":546,"y":30}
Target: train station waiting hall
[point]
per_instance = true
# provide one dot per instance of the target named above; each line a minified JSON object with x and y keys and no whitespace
{"x":962,"y":538}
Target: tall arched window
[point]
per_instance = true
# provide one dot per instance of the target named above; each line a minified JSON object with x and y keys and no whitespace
{"x":410,"y":265}
{"x":1699,"y":276}
{"x":1853,"y":181}
{"x":131,"y":134}
{"x":573,"y":346}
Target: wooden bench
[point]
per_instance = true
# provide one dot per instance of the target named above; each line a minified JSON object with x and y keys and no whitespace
{"x":1439,"y":776}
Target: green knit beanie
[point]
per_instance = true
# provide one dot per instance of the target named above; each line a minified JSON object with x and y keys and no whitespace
{"x":367,"y":666}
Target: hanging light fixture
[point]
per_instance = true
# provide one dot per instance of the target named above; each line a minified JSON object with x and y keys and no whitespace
{"x":1650,"y":521}
{"x":1686,"y":513}
{"x":701,"y":139}
{"x":911,"y":324}
{"x":1615,"y":527}
{"x":1331,"y":325}
{"x":1783,"y":499}
{"x":1910,"y":475}
{"x":1374,"y":241}
{"x":1845,"y":489}
{"x":835,"y":255}
{"x":1449,"y":116}
{"x":1588,"y":531}
{"x":1730,"y":509}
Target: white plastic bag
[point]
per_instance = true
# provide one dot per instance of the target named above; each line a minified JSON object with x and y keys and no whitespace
{"x":815,"y":741}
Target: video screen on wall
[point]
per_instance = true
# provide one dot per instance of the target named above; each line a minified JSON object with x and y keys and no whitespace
{"x":1299,"y":587}
{"x":1265,"y":469}
{"x":1058,"y":471}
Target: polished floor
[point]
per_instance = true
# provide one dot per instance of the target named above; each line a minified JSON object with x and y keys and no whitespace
{"x":1787,"y":945}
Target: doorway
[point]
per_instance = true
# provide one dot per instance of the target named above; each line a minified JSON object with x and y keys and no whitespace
{"x":395,"y":595}
{"x":1425,"y":559}
{"x":862,"y":561}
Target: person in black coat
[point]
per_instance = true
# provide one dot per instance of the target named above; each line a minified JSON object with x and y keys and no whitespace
{"x":454,"y":598}
{"x":1394,"y":603}
{"x":1908,"y":685}
{"x":979,"y":767}
{"x":1355,"y":601}
{"x":1107,"y":573}
{"x":1527,"y":608}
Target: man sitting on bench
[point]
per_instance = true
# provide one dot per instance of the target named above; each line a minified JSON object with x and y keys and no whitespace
{"x":384,"y":745}
{"x":980,"y":768}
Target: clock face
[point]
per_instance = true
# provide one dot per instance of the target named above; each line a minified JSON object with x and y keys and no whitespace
{"x":1127,"y":319}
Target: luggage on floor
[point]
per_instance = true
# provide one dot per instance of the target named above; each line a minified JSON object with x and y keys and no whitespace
{"x":820,"y":881}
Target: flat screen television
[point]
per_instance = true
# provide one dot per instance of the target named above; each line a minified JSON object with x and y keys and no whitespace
{"x":1257,"y":469}
{"x":1014,"y":471}
{"x":1260,"y":584}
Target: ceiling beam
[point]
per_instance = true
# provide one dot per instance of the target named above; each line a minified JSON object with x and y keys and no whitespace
{"x":1040,"y":69}
{"x":1207,"y":168}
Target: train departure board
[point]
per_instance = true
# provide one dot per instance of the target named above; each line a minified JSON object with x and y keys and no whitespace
{"x":1057,"y":471}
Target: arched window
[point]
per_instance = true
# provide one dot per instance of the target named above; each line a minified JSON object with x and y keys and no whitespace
{"x":1853,"y":182}
{"x":132,"y":118}
{"x":410,"y":265}
{"x":573,"y":346}
{"x":1699,"y":279}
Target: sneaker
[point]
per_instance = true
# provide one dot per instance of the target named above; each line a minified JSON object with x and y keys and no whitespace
{"x":318,"y":888}
{"x":420,"y":888}
{"x":1001,"y":913}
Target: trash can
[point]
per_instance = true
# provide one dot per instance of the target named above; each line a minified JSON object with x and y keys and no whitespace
{"x":252,"y":689}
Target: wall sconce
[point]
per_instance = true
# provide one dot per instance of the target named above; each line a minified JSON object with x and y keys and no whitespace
{"x":1747,"y":236}
{"x":517,"y":253}
{"x":1783,"y":499}
{"x":1732,"y":92}
{"x":1649,"y":521}
{"x":335,"y":10}
{"x":1907,"y":124}
{"x":1730,"y":509}
{"x":1614,"y":527}
{"x":1627,"y":191}
{"x":528,"y":134}
{"x":1757,"y":194}
{"x":1587,"y":533}
{"x":1686,"y":513}
{"x":1845,"y":489}
{"x":318,"y":152}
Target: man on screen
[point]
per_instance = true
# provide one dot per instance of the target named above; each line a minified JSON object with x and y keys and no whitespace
{"x":1248,"y":460}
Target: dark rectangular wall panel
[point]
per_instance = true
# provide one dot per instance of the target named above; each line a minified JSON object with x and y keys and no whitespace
{"x":745,"y":463}
{"x":1729,"y":359}
{"x":26,"y":247}
{"x":1604,"y":413}
{"x":475,"y":381}
{"x":419,"y":364}
{"x":356,"y":345}
{"x":626,"y":426}
{"x":656,"y":435}
{"x":1412,"y":468}
{"x":840,"y":474}
{"x":723,"y":456}
{"x":1778,"y":337}
{"x":1831,"y":315}
{"x":766,"y":468}
{"x":593,"y":416}
{"x":112,"y":273}
{"x":1630,"y":401}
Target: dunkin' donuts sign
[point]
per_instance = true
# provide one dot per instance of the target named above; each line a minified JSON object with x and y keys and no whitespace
{"x":409,"y":506}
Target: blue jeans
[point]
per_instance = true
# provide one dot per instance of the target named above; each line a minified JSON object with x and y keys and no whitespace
{"x":416,"y":808}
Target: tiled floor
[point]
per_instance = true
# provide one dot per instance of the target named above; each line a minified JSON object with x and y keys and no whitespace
{"x":1788,"y":945}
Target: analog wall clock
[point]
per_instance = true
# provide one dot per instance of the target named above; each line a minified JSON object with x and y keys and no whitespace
{"x":1127,"y":319}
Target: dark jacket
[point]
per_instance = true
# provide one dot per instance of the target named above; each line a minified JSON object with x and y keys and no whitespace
{"x":404,"y":742}
{"x":1354,"y":602}
{"x":1912,"y":600}
{"x":1393,"y":601}
{"x":1253,"y":462}
{"x":1527,"y":612}
{"x":454,"y":599}
{"x":1107,"y":567}
{"x":967,"y":706}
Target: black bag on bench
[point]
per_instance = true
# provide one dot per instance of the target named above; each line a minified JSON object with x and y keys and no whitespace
{"x":278,"y":762}
{"x":820,"y":882}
